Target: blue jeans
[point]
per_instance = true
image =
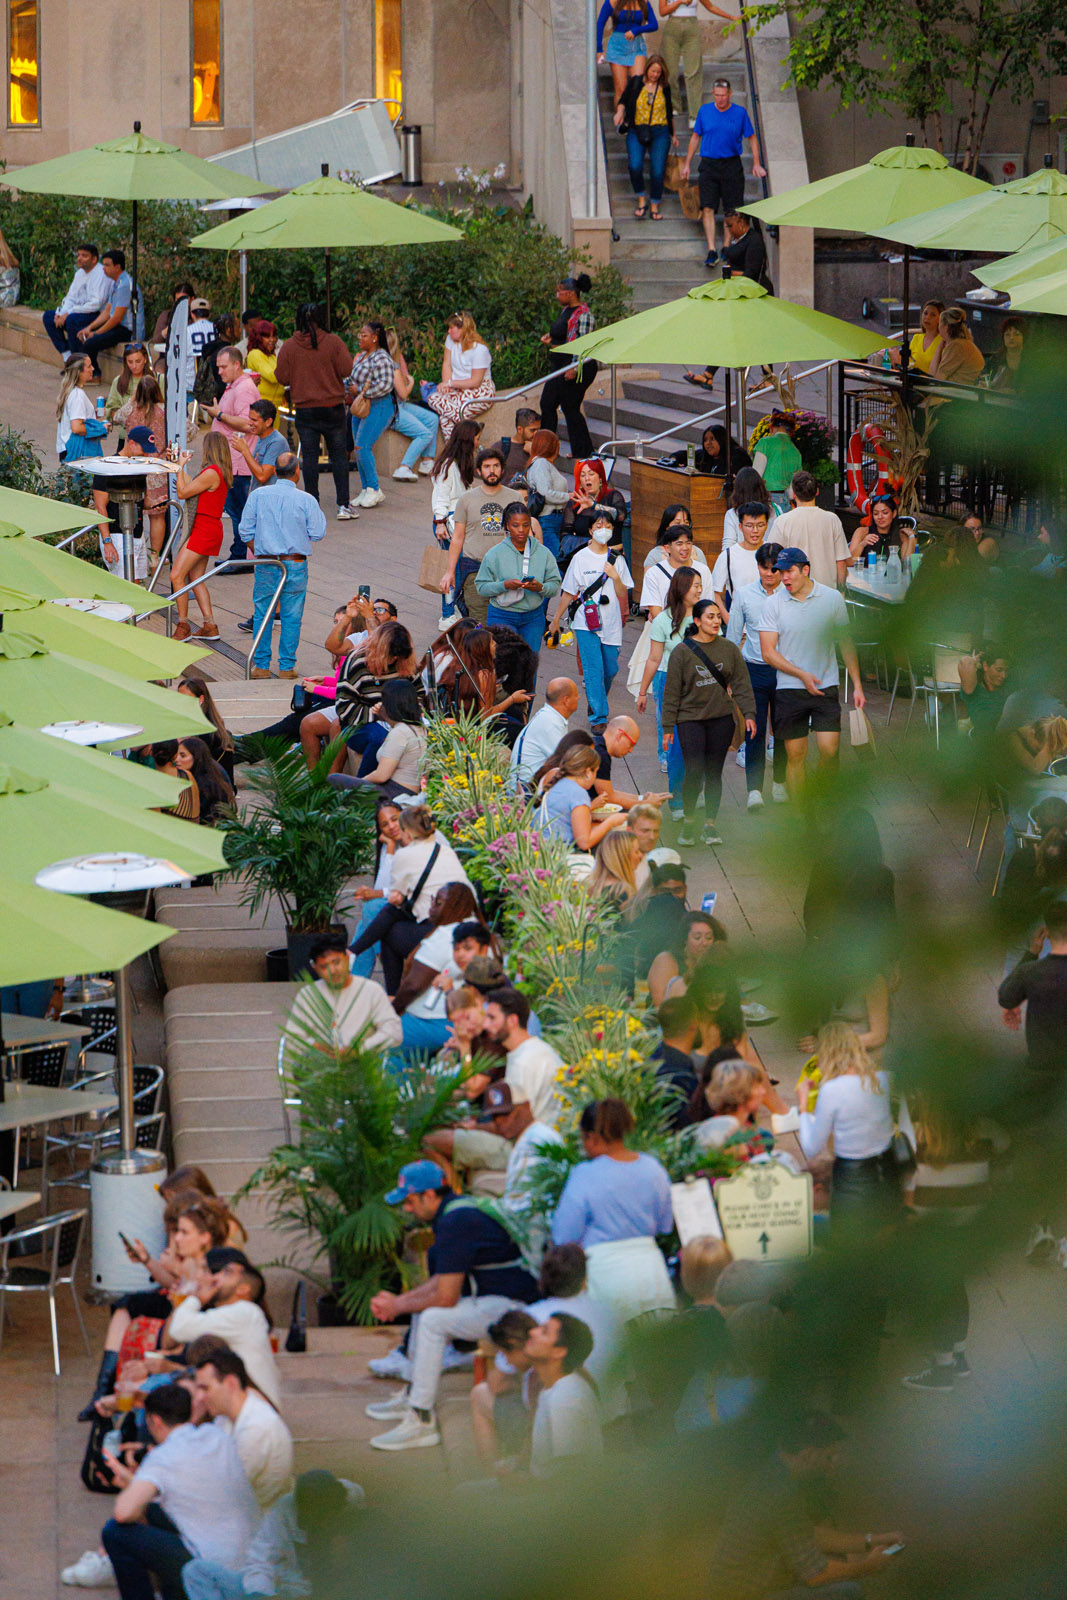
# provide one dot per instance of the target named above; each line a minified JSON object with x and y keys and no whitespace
{"x":363,"y":965}
{"x":423,"y":1033}
{"x":291,"y":606}
{"x":764,"y":680}
{"x":529,"y":625}
{"x":138,"y":1550}
{"x":600,"y":664}
{"x":210,"y":1580}
{"x":65,"y":338}
{"x":418,"y":425}
{"x":675,"y":763}
{"x":657,"y":153}
{"x":550,"y":524}
{"x":366,"y":435}
{"x":236,"y":500}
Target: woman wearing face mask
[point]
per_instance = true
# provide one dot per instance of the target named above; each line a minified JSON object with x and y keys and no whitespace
{"x":599,"y":585}
{"x":706,"y":676}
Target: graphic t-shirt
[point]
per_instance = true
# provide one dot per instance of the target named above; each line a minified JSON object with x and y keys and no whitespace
{"x":481,"y":512}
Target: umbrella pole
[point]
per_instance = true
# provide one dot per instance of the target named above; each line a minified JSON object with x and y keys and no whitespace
{"x":614,"y":406}
{"x":244,"y":281}
{"x":905,"y":352}
{"x":136,"y":290}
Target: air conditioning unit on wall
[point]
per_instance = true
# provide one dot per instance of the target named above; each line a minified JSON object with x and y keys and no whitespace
{"x":994,"y":168}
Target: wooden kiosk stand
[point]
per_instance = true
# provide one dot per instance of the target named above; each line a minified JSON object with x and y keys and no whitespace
{"x":652,"y":487}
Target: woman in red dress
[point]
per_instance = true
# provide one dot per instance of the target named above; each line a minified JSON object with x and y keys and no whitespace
{"x":211,"y":485}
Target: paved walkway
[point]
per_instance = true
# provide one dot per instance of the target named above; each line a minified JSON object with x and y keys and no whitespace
{"x":758,"y":874}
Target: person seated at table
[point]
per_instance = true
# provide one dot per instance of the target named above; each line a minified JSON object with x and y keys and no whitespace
{"x":734,"y":1095}
{"x":165,"y":760}
{"x":565,"y":809}
{"x":712,"y":456}
{"x":947,"y":596}
{"x":958,"y":359}
{"x":592,"y":493}
{"x":984,"y":687}
{"x":1038,"y":744}
{"x":986,"y":540}
{"x":1035,"y":874}
{"x":883,"y":532}
{"x":616,"y":860}
{"x":926,"y":342}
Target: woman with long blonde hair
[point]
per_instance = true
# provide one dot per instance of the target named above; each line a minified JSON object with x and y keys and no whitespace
{"x":209,"y":488}
{"x":853,"y":1107}
{"x":616,"y":860}
{"x":466,"y":388}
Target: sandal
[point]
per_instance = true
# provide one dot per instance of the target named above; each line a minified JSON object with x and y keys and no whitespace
{"x":700,"y":379}
{"x":641,"y":211}
{"x":657,"y":216}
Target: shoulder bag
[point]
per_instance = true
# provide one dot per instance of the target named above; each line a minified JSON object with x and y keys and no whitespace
{"x":717,"y":673}
{"x":360,"y":405}
{"x":406,"y":908}
{"x":591,"y":607}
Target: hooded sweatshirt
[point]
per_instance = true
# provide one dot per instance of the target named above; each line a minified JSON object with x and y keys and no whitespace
{"x":315,"y":375}
{"x":692,"y":694}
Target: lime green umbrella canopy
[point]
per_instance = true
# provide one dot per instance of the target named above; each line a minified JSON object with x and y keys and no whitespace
{"x":732,"y":322}
{"x":40,"y":821}
{"x":1048,"y":294}
{"x":35,"y":514}
{"x":327,"y":214}
{"x":39,"y":686}
{"x":894,"y":184}
{"x":1036,"y":261}
{"x":45,"y":935}
{"x":98,"y":640}
{"x":1008,"y":216}
{"x":39,"y":569}
{"x":133,"y":168}
{"x":98,"y":777}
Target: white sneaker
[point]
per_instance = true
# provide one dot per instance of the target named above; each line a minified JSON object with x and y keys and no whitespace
{"x":347,"y":513}
{"x":405,"y":475}
{"x":1041,"y":1245}
{"x":426,"y":466}
{"x":779,"y":794}
{"x":457,"y":1360}
{"x":741,"y":756}
{"x":755,"y":800}
{"x":370,"y":497}
{"x":396,"y":1406}
{"x":410,"y":1433}
{"x":394,"y":1365}
{"x":93,"y":1570}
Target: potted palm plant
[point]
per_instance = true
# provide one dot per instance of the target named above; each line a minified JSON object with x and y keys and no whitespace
{"x":299,"y":842}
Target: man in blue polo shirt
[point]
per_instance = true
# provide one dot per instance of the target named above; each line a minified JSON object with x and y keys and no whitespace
{"x":719,"y":131}
{"x":113,"y":323}
{"x":476,"y":1274}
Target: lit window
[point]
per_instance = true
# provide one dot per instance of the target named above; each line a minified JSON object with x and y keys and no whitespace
{"x":207,"y":60}
{"x":388,"y":35}
{"x":24,"y":106}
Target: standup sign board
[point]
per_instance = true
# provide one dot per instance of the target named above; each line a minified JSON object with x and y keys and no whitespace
{"x":176,"y":410}
{"x":766,"y":1211}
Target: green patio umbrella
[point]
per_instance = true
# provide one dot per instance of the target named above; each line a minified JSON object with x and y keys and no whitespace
{"x":1008,"y":216}
{"x":35,"y":568}
{"x":35,"y":514}
{"x":98,"y":777}
{"x":133,"y":168}
{"x":1047,"y":294}
{"x":98,"y":640}
{"x":327,"y":214}
{"x":39,"y":686}
{"x":46,"y":935}
{"x":39,"y":820}
{"x":871,"y":198}
{"x":1036,"y":261}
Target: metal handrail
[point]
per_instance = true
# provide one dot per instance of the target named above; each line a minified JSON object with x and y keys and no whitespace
{"x":63,"y":543}
{"x":753,"y":89}
{"x":245,"y":561}
{"x":556,"y":373}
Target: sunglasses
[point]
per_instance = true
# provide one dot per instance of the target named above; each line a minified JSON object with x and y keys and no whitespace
{"x":135,"y":346}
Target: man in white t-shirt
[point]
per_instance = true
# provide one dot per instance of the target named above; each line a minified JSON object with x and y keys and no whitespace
{"x":566,"y":1425}
{"x":680,"y":551}
{"x":512,"y":1118}
{"x":195,"y":1477}
{"x":736,"y":567}
{"x":201,"y":333}
{"x":229,"y":1303}
{"x":815,"y":531}
{"x":562,"y":1285}
{"x":532,"y":1066}
{"x":338,"y":1004}
{"x":264,"y":1443}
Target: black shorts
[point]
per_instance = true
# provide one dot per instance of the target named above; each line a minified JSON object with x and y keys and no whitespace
{"x":721,"y":182}
{"x":797,"y":712}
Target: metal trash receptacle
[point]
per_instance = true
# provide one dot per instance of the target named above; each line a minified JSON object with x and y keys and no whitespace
{"x":411,"y":154}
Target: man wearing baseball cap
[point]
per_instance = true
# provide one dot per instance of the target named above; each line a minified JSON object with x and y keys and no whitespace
{"x":470,"y":1252}
{"x":511,"y":1117}
{"x":801,"y":628}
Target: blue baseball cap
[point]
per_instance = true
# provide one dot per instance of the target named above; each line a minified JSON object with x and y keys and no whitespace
{"x":143,"y":437}
{"x":414,"y":1178}
{"x":791,"y":557}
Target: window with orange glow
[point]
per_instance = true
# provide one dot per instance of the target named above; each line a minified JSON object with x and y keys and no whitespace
{"x":207,"y":60}
{"x":23,"y":49}
{"x":388,"y":39}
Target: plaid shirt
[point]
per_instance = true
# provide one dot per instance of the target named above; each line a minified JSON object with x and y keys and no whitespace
{"x":765,"y":1540}
{"x":373,"y":374}
{"x":580,"y":321}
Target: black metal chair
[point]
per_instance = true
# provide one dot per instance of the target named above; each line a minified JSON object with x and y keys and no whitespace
{"x":103,"y":1031}
{"x":58,"y":1239}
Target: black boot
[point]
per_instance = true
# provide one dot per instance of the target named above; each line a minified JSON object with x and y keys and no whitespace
{"x":105,"y":1382}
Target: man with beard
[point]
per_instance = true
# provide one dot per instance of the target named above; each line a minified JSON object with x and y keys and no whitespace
{"x":229,"y":1302}
{"x":478,"y":526}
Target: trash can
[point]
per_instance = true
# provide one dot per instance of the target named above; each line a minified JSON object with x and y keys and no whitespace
{"x":411,"y":154}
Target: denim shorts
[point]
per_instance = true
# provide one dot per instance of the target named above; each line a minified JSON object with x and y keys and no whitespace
{"x":623,"y":51}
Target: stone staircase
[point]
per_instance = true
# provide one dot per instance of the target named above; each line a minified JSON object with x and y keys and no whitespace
{"x":662,"y":260}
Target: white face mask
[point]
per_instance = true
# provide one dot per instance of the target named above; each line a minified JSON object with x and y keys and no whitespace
{"x":601,"y":536}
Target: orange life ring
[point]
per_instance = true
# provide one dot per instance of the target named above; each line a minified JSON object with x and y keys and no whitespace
{"x":870,"y":434}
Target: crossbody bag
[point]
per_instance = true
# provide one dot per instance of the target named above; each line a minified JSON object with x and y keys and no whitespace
{"x":590,"y":607}
{"x":723,"y":682}
{"x":406,"y":908}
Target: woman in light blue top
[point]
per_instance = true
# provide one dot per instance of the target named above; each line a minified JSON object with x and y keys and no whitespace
{"x":565,"y":811}
{"x":668,"y":630}
{"x":613,"y":1205}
